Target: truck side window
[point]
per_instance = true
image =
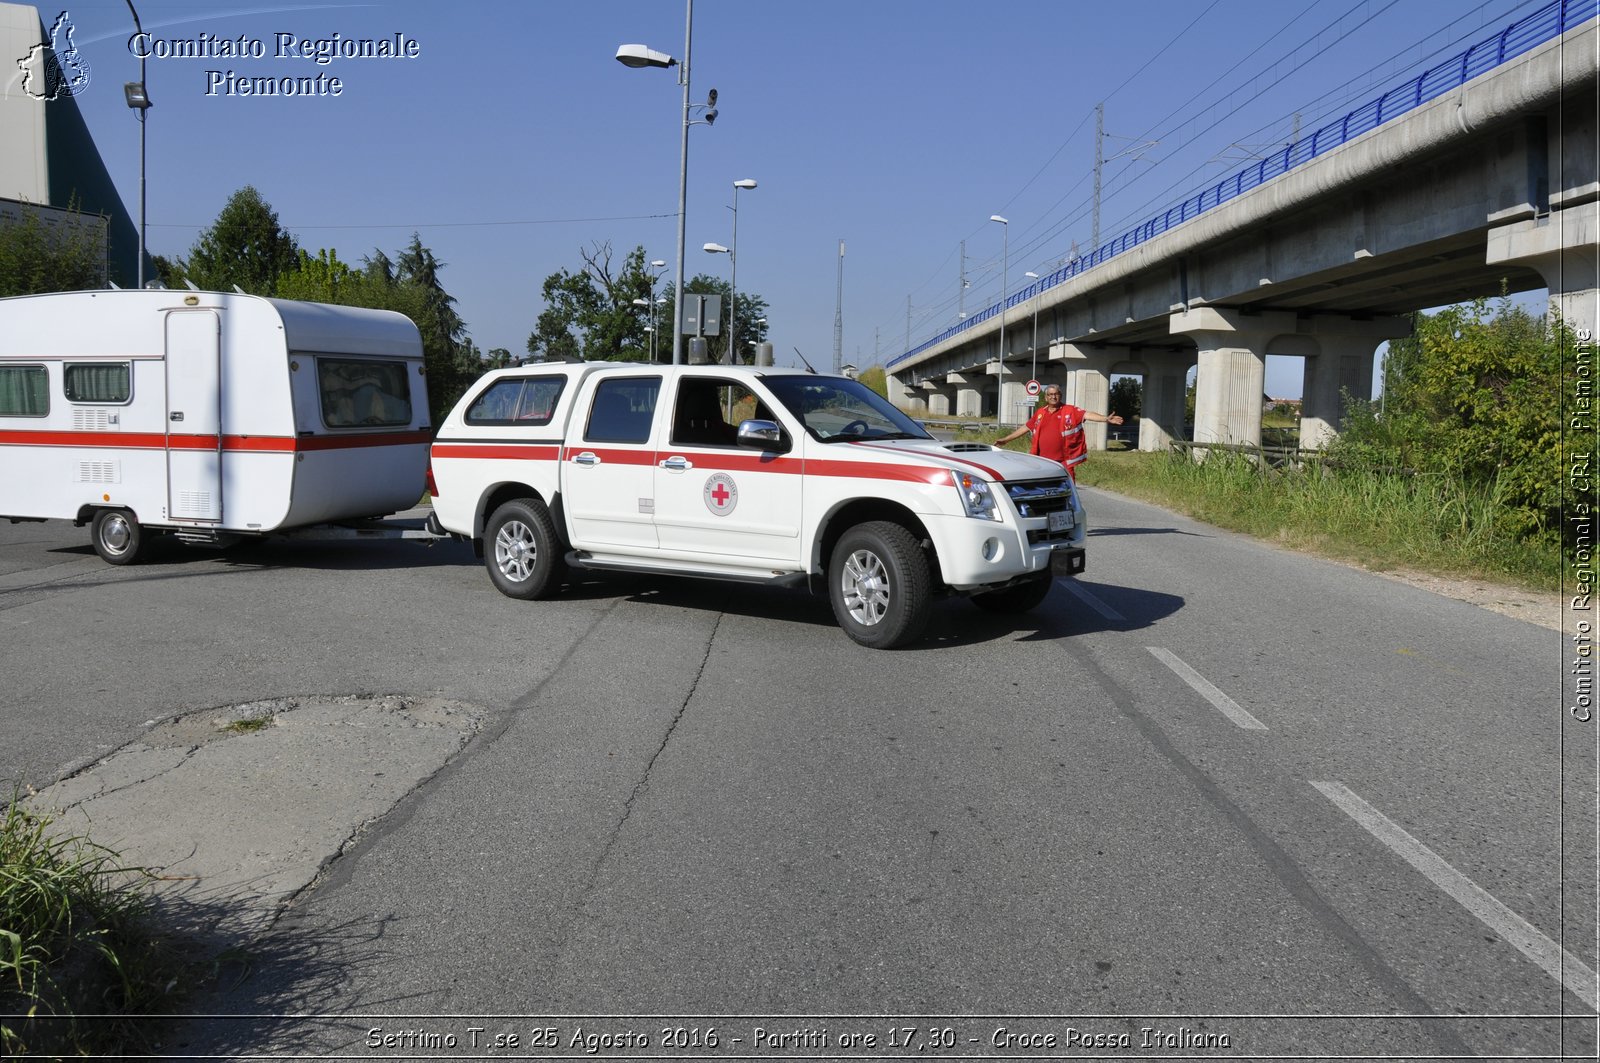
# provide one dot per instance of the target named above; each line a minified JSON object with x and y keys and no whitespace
{"x":98,"y":382}
{"x":708,"y":411}
{"x":24,"y":391}
{"x":525,"y":401}
{"x":623,"y":410}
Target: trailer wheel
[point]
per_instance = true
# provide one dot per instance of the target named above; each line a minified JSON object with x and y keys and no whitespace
{"x":1016,"y":599}
{"x":880,"y":585}
{"x":522,"y":552}
{"x":117,"y":537}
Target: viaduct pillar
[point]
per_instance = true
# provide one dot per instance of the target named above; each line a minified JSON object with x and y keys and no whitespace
{"x":1086,"y":382}
{"x":1564,"y":246}
{"x":1231,"y":378}
{"x":1339,"y":363}
{"x":968,"y":393}
{"x":937,"y":399}
{"x":1161,"y":419}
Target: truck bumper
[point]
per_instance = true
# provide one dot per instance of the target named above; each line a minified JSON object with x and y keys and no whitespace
{"x":977,"y":555}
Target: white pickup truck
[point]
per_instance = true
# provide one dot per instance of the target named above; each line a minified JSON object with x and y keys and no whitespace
{"x":764,"y":475}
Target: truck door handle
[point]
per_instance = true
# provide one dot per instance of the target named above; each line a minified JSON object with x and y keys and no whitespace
{"x":588,"y":457}
{"x":677,"y":464}
{"x":176,"y":415}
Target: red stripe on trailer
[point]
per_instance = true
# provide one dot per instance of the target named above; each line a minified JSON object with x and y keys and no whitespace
{"x":231,"y":444}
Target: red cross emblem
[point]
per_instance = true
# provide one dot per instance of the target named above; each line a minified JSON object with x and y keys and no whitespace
{"x":721,"y":494}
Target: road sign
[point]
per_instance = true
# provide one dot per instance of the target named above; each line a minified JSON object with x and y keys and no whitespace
{"x":1033,"y":387}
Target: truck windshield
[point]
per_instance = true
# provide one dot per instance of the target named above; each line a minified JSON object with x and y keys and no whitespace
{"x":840,"y":410}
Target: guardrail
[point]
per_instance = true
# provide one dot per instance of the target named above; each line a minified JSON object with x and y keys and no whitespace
{"x":1521,"y":36}
{"x":1273,"y":457}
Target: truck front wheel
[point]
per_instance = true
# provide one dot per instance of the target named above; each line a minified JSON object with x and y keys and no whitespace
{"x":880,"y":586}
{"x":522,"y":552}
{"x":117,"y":537}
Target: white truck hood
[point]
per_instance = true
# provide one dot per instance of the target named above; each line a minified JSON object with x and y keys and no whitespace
{"x":992,"y":463}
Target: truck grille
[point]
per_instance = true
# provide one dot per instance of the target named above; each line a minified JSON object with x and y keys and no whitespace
{"x":1039,"y":497}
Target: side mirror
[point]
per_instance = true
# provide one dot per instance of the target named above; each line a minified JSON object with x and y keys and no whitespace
{"x":761,"y":435}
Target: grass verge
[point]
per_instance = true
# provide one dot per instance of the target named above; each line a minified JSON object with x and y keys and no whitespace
{"x":81,"y":965}
{"x":1436,"y":525}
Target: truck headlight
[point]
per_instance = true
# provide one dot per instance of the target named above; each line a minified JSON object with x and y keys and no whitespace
{"x":976,"y":497}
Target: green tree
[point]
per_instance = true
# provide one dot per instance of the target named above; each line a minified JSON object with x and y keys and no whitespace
{"x":55,"y":256}
{"x":169,"y":271}
{"x":875,"y":377}
{"x":1127,"y":397}
{"x":245,"y":247}
{"x":1474,"y":396}
{"x":590,"y":313}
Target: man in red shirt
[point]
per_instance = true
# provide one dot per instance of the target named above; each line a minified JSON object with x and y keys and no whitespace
{"x":1058,"y":430}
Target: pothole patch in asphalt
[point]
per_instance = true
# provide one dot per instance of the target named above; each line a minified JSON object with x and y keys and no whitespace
{"x":236,"y":809}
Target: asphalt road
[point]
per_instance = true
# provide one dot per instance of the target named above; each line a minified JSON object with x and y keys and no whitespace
{"x":1211,"y":799}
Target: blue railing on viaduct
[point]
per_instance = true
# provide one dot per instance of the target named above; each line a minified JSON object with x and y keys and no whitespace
{"x":1521,"y":36}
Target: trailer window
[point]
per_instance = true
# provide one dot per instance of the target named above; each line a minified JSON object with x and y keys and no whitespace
{"x":24,"y":391}
{"x":526,"y":401}
{"x":98,"y":383}
{"x":360,"y":394}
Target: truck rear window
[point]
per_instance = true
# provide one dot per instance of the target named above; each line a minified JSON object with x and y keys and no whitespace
{"x":527,"y":401}
{"x":623,"y":410}
{"x":359,"y":394}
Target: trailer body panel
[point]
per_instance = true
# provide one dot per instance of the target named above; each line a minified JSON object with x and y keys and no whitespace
{"x":207,"y":411}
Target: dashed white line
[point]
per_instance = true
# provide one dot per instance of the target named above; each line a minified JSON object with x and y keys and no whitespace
{"x":1522,"y":935}
{"x":1095,"y":603}
{"x":1226,"y":705}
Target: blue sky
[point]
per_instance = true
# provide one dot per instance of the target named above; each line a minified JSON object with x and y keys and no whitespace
{"x":514,"y":139}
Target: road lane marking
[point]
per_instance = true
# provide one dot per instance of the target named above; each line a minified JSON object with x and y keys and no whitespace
{"x":1522,"y":935}
{"x":1226,"y":705}
{"x":1095,"y":603}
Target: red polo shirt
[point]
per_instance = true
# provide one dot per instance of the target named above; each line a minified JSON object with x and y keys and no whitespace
{"x":1058,"y":434}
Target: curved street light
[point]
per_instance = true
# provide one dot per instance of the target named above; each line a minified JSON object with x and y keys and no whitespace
{"x":640,"y":56}
{"x":733,"y":273}
{"x":138,"y":97}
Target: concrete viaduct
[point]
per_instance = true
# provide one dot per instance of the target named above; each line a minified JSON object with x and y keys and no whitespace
{"x":1491,"y":184}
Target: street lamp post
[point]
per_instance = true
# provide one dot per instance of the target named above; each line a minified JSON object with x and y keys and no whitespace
{"x":733,"y":276}
{"x":1005,"y":253}
{"x":652,"y":302}
{"x":639,"y":55}
{"x":733,"y":273}
{"x":139,"y":99}
{"x":1035,"y":347}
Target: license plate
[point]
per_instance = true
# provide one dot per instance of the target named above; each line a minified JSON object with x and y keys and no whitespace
{"x":1061,"y":520}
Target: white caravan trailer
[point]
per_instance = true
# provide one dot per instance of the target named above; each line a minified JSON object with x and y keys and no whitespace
{"x":207,"y":415}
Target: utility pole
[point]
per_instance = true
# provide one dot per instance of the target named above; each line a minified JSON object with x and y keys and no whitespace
{"x":838,"y":317}
{"x":1099,"y":164}
{"x":961,"y":292}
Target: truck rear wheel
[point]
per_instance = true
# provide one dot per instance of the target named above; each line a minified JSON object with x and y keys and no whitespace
{"x":117,"y":537}
{"x":521,"y":550}
{"x":879,"y":584}
{"x":1016,"y":599}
